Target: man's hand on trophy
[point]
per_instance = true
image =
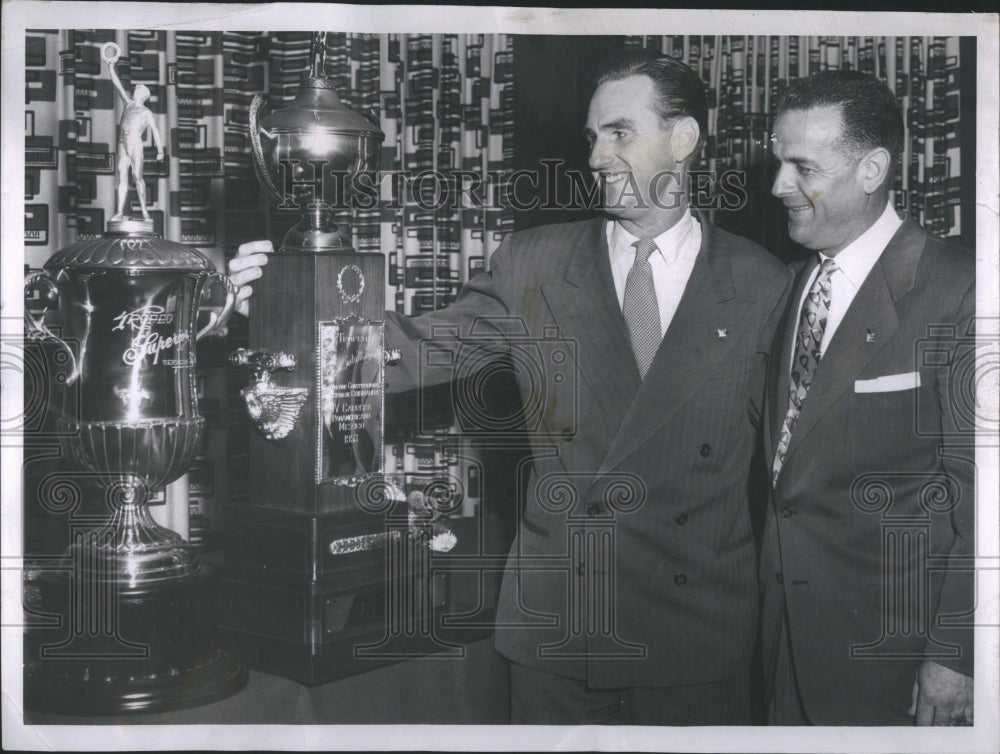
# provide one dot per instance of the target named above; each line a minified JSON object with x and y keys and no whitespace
{"x":245,"y":267}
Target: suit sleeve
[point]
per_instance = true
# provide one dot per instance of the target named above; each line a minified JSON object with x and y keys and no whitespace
{"x":480,"y":318}
{"x":953,"y":618}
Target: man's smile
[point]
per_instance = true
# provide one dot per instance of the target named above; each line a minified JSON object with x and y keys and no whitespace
{"x":613,"y":177}
{"x":792,"y":208}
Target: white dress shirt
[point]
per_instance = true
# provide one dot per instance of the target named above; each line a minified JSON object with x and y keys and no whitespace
{"x":854,"y":263}
{"x":672,"y":262}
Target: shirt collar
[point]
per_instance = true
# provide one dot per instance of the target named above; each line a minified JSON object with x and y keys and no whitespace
{"x":668,"y":243}
{"x":858,"y":257}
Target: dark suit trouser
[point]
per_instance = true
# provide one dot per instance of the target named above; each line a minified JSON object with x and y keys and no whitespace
{"x":540,"y":698}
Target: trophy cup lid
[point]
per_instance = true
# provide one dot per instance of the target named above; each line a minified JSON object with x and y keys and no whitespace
{"x":317,"y":106}
{"x":137,"y":252}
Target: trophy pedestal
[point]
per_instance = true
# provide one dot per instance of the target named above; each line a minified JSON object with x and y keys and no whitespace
{"x":307,"y":561}
{"x":312,"y":628}
{"x":290,"y":607}
{"x":296,"y":305}
{"x":119,"y":649}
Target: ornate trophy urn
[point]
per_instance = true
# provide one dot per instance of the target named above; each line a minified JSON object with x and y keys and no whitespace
{"x":307,"y":554}
{"x":136,"y":600}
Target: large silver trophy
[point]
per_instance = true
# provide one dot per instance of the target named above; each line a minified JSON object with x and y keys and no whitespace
{"x":127,"y":306}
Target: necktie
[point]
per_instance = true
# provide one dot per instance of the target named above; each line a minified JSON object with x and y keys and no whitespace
{"x":639,"y":305}
{"x":812,"y":325}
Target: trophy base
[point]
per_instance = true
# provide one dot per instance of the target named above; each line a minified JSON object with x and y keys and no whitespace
{"x":149,"y":649}
{"x":78,"y":694}
{"x":130,"y":225}
{"x":315,"y":617}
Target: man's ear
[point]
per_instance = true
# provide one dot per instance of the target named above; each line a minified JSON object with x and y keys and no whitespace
{"x":684,"y":138}
{"x":874,"y":169}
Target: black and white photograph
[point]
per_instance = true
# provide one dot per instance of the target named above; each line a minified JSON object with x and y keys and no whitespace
{"x":472,"y":378}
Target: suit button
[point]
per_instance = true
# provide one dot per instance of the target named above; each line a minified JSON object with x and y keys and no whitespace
{"x":706,"y":450}
{"x":788,"y":512}
{"x":681,"y":519}
{"x":680,"y":579}
{"x":778,"y":577}
{"x":567,"y":435}
{"x":581,"y":569}
{"x":595,"y":509}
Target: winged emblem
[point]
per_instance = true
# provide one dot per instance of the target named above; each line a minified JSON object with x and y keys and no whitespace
{"x":274,"y":410}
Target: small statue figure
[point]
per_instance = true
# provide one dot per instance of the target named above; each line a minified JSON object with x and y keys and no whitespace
{"x":135,"y":120}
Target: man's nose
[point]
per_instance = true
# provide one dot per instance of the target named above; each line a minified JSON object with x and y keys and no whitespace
{"x":782,"y":182}
{"x":599,"y":154}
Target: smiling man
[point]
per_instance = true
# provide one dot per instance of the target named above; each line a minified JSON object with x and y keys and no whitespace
{"x":867,"y":592}
{"x":630,"y":593}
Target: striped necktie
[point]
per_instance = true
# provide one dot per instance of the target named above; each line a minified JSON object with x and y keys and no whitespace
{"x":639,"y":305}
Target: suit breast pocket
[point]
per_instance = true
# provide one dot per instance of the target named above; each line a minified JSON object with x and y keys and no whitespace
{"x":883,"y":428}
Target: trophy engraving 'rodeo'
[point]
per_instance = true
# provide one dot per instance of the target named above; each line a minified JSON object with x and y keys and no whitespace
{"x":306,"y":555}
{"x":129,"y":302}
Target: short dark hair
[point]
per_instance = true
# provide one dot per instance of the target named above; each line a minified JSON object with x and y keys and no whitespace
{"x":871,"y":113}
{"x":679,"y":91}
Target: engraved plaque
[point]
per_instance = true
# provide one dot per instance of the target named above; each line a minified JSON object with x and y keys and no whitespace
{"x":350,"y":386}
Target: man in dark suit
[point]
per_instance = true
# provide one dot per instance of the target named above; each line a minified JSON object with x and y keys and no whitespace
{"x":630,"y":591}
{"x":867,"y":596}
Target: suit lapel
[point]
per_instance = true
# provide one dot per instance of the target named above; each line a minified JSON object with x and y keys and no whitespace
{"x":585,"y":307}
{"x":872,"y":311}
{"x":690,"y":350}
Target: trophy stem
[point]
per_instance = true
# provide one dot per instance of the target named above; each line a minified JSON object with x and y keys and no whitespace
{"x":316,"y":231}
{"x":131,"y":548}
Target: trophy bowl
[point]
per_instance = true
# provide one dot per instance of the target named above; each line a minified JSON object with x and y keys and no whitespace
{"x":129,"y":302}
{"x":310,"y":156}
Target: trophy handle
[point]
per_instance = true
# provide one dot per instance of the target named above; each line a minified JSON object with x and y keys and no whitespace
{"x":258,"y":152}
{"x":36,"y":329}
{"x":216,"y":321}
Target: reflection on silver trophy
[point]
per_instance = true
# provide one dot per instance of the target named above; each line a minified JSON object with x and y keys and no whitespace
{"x":130,"y":300}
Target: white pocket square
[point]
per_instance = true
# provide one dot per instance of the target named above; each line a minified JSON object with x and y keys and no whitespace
{"x":890,"y":383}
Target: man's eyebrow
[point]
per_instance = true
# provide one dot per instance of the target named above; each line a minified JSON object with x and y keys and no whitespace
{"x":619,"y":123}
{"x":795,"y":160}
{"x":613,"y":125}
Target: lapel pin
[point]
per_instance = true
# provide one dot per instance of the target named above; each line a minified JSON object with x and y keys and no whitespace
{"x":722,"y":332}
{"x":870,"y":337}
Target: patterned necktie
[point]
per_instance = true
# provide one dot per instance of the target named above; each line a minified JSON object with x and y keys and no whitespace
{"x":812,"y":325}
{"x":639,"y":305}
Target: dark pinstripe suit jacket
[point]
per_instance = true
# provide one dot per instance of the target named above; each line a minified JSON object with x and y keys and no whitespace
{"x":871,"y":531}
{"x":634,"y":563}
